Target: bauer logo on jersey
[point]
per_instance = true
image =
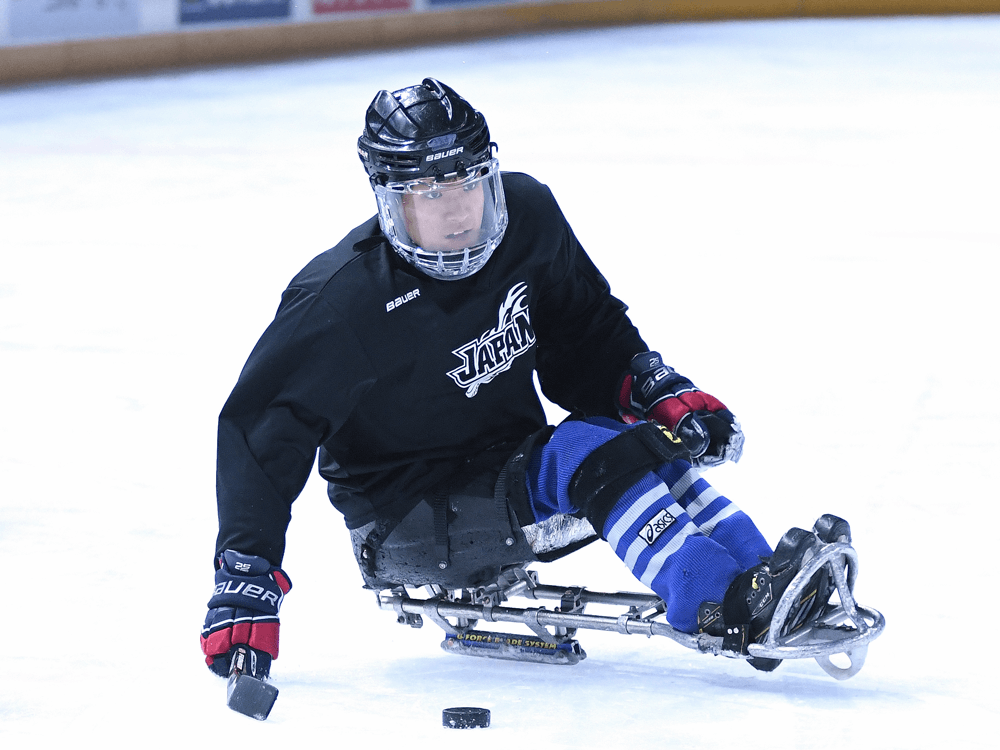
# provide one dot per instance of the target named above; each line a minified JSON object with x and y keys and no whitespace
{"x":495,"y":351}
{"x":401,"y":300}
{"x":652,"y":530}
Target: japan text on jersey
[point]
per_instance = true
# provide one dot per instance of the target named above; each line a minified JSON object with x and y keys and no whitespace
{"x":495,"y":350}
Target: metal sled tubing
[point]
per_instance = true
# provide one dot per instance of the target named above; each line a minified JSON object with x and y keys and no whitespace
{"x":830,"y":630}
{"x":618,"y":599}
{"x":626,"y":624}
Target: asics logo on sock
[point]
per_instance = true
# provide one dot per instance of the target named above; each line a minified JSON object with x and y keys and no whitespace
{"x":655,"y":528}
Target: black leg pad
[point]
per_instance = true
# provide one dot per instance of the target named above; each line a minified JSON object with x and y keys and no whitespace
{"x":610,"y":470}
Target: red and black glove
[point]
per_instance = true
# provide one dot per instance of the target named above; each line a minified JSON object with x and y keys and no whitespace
{"x":654,"y":392}
{"x":243,"y":610}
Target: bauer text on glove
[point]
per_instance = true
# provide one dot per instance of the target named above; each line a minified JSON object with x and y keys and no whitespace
{"x":243,"y":608}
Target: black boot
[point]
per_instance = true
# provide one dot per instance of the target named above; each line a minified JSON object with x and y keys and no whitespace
{"x":831,"y":528}
{"x":745,"y":614}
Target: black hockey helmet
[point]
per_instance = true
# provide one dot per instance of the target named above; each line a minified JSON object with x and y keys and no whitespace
{"x":425,"y":146}
{"x":422,"y":131}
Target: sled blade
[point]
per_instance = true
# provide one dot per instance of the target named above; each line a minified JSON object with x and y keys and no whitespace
{"x":511,"y":647}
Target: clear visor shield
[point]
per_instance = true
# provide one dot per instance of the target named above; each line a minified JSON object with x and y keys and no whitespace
{"x":447,"y":227}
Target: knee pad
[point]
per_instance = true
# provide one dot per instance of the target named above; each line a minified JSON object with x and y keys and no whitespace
{"x":615,"y":466}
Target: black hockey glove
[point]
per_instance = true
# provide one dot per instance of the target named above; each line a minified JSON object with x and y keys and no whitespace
{"x":654,"y":392}
{"x":243,"y":610}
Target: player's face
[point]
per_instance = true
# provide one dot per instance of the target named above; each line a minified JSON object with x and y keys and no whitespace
{"x":446,"y":216}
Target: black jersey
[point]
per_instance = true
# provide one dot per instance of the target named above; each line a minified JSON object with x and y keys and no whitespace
{"x":397,"y":378}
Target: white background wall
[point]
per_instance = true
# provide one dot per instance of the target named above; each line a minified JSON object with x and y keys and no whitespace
{"x":162,"y":16}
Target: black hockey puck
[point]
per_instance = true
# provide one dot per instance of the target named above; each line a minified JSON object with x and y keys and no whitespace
{"x":465,"y":717}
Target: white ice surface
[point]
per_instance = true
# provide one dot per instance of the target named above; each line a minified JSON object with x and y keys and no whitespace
{"x":803,"y":218}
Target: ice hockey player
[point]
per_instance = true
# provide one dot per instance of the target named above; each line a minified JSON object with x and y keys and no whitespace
{"x":406,"y":356}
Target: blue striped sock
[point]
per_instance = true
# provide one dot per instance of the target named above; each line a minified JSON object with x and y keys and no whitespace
{"x":715,"y":515}
{"x":661,"y":545}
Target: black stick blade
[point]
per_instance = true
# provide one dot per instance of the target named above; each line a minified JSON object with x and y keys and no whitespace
{"x":247,"y":692}
{"x":250,"y":696}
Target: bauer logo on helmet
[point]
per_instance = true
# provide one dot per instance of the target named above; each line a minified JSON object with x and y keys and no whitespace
{"x":445,"y":154}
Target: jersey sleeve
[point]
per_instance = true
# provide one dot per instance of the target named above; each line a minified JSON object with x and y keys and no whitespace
{"x":298,"y":387}
{"x":585,"y":337}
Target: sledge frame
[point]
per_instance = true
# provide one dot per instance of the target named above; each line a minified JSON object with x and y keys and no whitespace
{"x":845,"y":627}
